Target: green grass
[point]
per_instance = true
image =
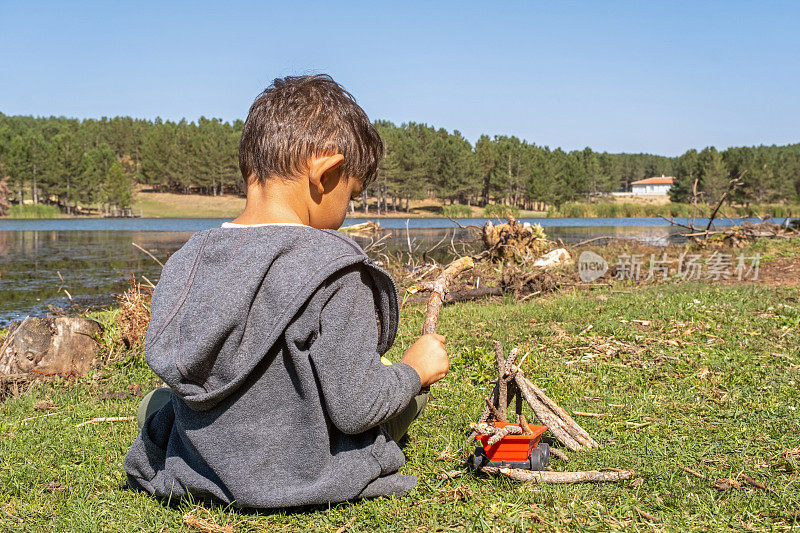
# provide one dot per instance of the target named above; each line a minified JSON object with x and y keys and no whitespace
{"x":33,"y":211}
{"x":456,"y":210}
{"x":710,"y":382}
{"x":500,"y":211}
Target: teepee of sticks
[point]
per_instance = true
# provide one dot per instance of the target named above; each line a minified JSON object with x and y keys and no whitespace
{"x":512,"y":384}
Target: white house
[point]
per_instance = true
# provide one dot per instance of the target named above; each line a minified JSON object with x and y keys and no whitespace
{"x":656,"y":186}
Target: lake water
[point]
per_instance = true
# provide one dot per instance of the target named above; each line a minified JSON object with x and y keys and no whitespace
{"x":92,"y":259}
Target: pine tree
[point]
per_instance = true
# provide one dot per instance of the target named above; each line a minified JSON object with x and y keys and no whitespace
{"x":686,"y":170}
{"x":118,"y":190}
{"x":712,"y":174}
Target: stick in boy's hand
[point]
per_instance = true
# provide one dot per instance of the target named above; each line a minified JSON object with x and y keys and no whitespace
{"x":439,"y":288}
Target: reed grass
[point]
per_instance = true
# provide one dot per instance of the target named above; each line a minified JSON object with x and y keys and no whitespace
{"x":33,"y":211}
{"x":672,"y":209}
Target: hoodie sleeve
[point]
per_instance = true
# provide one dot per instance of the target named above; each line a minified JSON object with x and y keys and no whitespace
{"x":358,"y":390}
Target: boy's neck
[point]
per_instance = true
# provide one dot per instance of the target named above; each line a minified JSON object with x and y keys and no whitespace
{"x":280,"y":202}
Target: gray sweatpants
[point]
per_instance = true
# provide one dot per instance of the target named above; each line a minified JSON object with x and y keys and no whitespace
{"x":397,"y":427}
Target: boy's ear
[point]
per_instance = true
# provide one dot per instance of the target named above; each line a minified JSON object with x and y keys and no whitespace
{"x":319,"y":166}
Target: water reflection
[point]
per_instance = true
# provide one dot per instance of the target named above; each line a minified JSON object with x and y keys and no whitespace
{"x":92,"y":266}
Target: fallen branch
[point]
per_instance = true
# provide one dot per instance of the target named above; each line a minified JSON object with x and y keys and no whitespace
{"x":107,"y":419}
{"x":731,"y":186}
{"x":537,"y":477}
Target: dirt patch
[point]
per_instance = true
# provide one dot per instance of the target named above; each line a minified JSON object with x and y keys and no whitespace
{"x":781,"y":272}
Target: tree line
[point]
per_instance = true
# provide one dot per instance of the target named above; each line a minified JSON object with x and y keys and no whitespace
{"x":79,"y":163}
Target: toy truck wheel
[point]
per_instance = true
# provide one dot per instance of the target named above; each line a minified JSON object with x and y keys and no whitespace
{"x":540,"y":457}
{"x":479,"y":458}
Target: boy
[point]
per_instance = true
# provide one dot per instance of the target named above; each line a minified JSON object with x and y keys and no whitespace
{"x":269,"y":331}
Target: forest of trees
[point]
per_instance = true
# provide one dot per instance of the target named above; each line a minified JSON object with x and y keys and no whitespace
{"x":76,"y":164}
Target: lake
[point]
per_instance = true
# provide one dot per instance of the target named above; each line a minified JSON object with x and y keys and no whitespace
{"x":93,"y":259}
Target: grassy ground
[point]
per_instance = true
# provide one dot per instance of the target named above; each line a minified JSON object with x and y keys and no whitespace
{"x":707,"y":379}
{"x":170,"y":205}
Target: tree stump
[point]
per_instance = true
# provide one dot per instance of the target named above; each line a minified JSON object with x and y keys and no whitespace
{"x":50,"y":346}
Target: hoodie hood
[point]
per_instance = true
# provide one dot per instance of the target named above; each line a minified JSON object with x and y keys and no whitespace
{"x":225,"y":298}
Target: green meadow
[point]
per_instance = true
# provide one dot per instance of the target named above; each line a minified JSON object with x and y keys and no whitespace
{"x":682,"y":378}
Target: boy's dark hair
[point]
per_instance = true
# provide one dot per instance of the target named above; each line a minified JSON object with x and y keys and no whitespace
{"x":298,"y":117}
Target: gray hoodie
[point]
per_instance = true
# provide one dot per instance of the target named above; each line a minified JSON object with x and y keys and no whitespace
{"x":270,"y":339}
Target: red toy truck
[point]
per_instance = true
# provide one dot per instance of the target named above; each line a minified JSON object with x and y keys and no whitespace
{"x":514,"y":451}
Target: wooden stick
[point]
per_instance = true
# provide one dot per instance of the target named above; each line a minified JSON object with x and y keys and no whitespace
{"x":107,"y":419}
{"x":545,"y":415}
{"x":439,"y":287}
{"x":502,"y":385}
{"x":486,"y":412}
{"x":690,"y":471}
{"x":555,"y":452}
{"x":646,"y":516}
{"x":536,"y":477}
{"x":526,"y":429}
{"x":753,"y":482}
{"x":499,"y":433}
{"x":492,"y":409}
{"x":577,"y":432}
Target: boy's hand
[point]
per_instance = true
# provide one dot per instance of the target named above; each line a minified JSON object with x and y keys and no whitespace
{"x":429,"y":358}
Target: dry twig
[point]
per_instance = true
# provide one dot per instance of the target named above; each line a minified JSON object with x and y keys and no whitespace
{"x":690,"y":471}
{"x":588,"y":476}
{"x":107,"y":419}
{"x":154,"y":258}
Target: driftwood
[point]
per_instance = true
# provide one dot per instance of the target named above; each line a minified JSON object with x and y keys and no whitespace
{"x":536,"y":477}
{"x":364,"y":229}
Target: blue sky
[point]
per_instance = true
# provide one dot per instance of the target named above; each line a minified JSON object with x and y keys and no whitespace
{"x":642,"y":76}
